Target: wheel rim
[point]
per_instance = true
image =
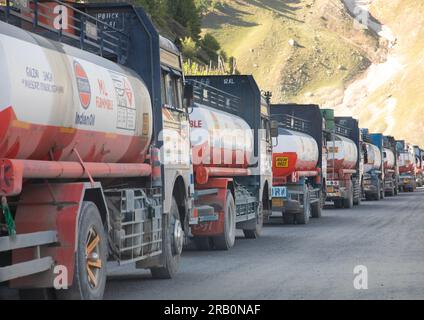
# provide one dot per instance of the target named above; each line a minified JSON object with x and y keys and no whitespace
{"x":231,"y":224}
{"x":260,"y":217}
{"x":178,"y":237}
{"x":93,"y":261}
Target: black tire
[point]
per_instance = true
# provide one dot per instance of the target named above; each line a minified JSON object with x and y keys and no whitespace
{"x":203,"y":243}
{"x":288,"y":218}
{"x":171,"y":247}
{"x":254,"y":234}
{"x":227,"y":240}
{"x":357,"y":201}
{"x":338,"y":203}
{"x":37,"y":294}
{"x":316,"y":209}
{"x":348,"y":203}
{"x":90,"y":233}
{"x":303,"y":216}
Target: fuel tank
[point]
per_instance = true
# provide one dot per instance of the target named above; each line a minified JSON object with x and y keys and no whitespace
{"x":294,"y":151}
{"x":342,"y":153}
{"x":54,"y":98}
{"x":219,"y":139}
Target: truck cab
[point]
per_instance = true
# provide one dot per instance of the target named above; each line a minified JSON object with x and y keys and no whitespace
{"x":391,"y":166}
{"x":345,"y":161}
{"x":298,"y":158}
{"x":374,"y":163}
{"x":231,"y":143}
{"x":97,"y":196}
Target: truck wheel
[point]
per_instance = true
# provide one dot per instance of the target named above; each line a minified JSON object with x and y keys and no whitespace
{"x":316,"y":210}
{"x":303,"y":217}
{"x":288,"y":218}
{"x":348,"y":203}
{"x":254,"y":234}
{"x":227,"y":240}
{"x":173,"y":238}
{"x":338,"y":203}
{"x":90,"y":258}
{"x":357,"y":201}
{"x":203,"y":243}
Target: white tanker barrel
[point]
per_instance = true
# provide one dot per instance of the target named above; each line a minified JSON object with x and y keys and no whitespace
{"x":373,"y":158}
{"x":219,"y":138}
{"x":294,"y":151}
{"x":342,"y":153}
{"x":389,"y":159}
{"x":406,"y":161}
{"x":55,"y":98}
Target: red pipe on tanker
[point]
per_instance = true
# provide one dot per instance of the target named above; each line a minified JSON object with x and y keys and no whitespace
{"x":33,"y":169}
{"x":348,"y":171}
{"x":203,"y":173}
{"x":13,"y":171}
{"x":307,"y":173}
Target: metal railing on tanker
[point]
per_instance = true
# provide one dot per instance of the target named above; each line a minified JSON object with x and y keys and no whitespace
{"x":60,"y":21}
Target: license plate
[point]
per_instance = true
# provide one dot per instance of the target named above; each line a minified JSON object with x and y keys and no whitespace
{"x":279,"y":192}
{"x":282,"y":162}
{"x":277,"y":202}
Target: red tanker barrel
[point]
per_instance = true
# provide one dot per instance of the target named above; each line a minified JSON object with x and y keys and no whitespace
{"x":294,"y":151}
{"x":342,"y":153}
{"x":389,"y":159}
{"x":406,"y":162}
{"x":58,"y":98}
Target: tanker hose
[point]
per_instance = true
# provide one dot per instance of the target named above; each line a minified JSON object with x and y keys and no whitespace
{"x":10,"y":223}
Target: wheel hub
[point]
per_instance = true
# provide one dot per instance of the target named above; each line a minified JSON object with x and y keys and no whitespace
{"x":178,"y":237}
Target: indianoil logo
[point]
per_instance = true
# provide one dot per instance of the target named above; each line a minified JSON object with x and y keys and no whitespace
{"x":83,"y":85}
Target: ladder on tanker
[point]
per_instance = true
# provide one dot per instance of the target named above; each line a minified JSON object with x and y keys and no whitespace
{"x":64,"y":23}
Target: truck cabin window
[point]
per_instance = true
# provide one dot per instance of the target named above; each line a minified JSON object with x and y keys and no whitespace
{"x":171,"y":90}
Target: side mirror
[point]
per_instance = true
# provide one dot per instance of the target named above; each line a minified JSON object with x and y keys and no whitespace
{"x":188,"y":94}
{"x":274,"y":128}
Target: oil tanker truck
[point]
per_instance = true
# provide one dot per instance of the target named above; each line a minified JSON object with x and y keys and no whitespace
{"x":344,"y":171}
{"x":82,"y":181}
{"x":419,"y":153}
{"x":297,"y":162}
{"x":373,"y":165}
{"x":407,"y":167}
{"x":391,"y":166}
{"x":231,"y":152}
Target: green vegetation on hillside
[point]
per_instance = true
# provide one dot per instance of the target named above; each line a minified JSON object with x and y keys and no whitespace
{"x":302,"y":50}
{"x":181,"y":21}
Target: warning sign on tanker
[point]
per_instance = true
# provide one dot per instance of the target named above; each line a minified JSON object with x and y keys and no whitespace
{"x":282,"y":162}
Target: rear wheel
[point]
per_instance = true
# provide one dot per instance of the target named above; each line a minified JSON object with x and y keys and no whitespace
{"x":348,"y":203}
{"x":90,"y":259}
{"x":173,"y":239}
{"x":338,"y":203}
{"x":203,"y":243}
{"x":288,"y":218}
{"x":256,"y":233}
{"x":303,"y":216}
{"x":316,"y":209}
{"x":227,"y":240}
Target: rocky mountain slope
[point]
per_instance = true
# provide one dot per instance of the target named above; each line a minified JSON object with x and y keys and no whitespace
{"x":319,"y":51}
